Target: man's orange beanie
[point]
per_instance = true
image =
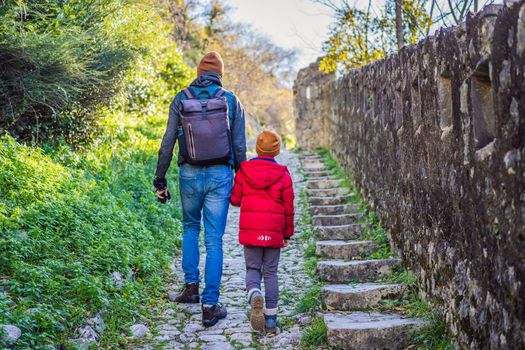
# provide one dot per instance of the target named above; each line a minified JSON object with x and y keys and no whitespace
{"x":268,"y":144}
{"x":211,"y":62}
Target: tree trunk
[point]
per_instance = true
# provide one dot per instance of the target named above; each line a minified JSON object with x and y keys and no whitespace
{"x":399,"y":23}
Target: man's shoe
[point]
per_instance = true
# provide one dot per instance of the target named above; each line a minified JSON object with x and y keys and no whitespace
{"x":212,"y":314}
{"x":189,"y":294}
{"x":256,"y":301}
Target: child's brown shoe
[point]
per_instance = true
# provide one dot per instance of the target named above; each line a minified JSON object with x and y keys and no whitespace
{"x":256,"y":301}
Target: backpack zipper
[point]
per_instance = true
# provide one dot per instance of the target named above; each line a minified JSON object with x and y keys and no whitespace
{"x":192,"y":143}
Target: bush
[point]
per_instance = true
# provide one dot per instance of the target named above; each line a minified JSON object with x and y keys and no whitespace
{"x":65,"y":229}
{"x":60,"y":60}
{"x":71,"y":216}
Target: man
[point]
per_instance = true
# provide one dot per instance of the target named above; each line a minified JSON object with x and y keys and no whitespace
{"x":205,"y":189}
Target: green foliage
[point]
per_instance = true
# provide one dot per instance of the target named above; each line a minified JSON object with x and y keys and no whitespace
{"x":311,"y":302}
{"x":333,"y":166}
{"x":402,"y":276}
{"x":68,"y":221}
{"x":70,"y":217}
{"x":310,"y":250}
{"x":360,"y":36}
{"x":434,"y":337}
{"x":60,"y":60}
{"x":310,"y":267}
{"x":315,"y":334}
{"x":351,"y":42}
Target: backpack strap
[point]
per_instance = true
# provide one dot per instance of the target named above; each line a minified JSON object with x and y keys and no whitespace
{"x":220,"y":92}
{"x":188,"y":93}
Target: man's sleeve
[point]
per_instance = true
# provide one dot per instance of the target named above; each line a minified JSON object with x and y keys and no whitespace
{"x":236,"y":195}
{"x":168,"y":141}
{"x":238,"y":135}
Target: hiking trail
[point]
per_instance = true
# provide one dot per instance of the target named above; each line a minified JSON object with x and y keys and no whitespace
{"x":178,"y":326}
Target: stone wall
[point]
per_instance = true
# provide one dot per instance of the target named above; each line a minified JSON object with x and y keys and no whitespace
{"x":434,"y":137}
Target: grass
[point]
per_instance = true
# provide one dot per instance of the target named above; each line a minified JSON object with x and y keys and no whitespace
{"x":315,"y":334}
{"x":89,"y":214}
{"x":71,"y":214}
{"x":434,"y":337}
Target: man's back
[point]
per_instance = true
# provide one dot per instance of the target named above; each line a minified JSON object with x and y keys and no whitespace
{"x":204,"y":87}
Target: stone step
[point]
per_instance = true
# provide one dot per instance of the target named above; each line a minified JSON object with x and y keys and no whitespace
{"x":344,"y":249}
{"x":322,"y":178}
{"x":328,"y":192}
{"x":316,"y":173}
{"x":340,"y":271}
{"x":358,"y":296}
{"x":309,"y":171}
{"x":322,"y":184}
{"x":308,"y":154}
{"x":344,"y":232}
{"x":333,"y":209}
{"x":368,"y":331}
{"x":329,"y":200}
{"x":336,"y":220}
{"x":310,"y":159}
{"x":312,"y":164}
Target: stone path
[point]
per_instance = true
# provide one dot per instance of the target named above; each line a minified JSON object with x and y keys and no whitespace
{"x":179,"y":325}
{"x":350,"y":279}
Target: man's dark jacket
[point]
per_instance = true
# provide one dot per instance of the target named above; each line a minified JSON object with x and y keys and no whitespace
{"x":203,"y":87}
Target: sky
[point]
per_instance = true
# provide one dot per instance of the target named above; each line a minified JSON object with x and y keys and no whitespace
{"x":299,"y":24}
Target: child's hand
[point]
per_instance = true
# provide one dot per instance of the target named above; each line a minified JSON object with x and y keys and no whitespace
{"x":285,"y":243}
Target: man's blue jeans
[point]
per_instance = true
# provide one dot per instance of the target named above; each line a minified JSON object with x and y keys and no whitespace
{"x":205,"y":193}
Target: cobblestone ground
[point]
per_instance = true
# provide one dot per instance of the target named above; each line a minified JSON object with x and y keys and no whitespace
{"x":179,"y":325}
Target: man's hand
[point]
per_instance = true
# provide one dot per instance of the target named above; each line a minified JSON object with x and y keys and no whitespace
{"x":161,"y":186}
{"x":285,"y":243}
{"x":163,"y":195}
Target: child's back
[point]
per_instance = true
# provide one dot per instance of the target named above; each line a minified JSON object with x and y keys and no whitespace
{"x":263,"y":189}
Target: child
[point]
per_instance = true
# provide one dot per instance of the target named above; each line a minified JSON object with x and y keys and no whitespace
{"x":263,"y":189}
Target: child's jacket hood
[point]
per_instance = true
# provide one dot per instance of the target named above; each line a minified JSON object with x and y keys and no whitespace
{"x":262,"y":173}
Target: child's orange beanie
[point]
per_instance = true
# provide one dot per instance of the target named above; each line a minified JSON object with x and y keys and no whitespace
{"x":268,"y":144}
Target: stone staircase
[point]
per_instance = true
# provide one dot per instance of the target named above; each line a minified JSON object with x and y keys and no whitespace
{"x":350,"y":279}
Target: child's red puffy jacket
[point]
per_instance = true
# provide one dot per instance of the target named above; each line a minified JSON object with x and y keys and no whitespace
{"x":263,"y":189}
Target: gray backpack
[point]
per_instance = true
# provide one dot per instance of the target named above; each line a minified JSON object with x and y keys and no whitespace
{"x":206,"y":136}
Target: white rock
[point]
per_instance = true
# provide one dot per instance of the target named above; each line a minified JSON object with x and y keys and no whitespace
{"x":32,"y":311}
{"x":218,"y":346}
{"x":172,"y":295}
{"x":88,"y":333}
{"x":97,"y":323}
{"x":12,"y":333}
{"x":131,"y":275}
{"x":117,"y":277}
{"x":138,"y":330}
